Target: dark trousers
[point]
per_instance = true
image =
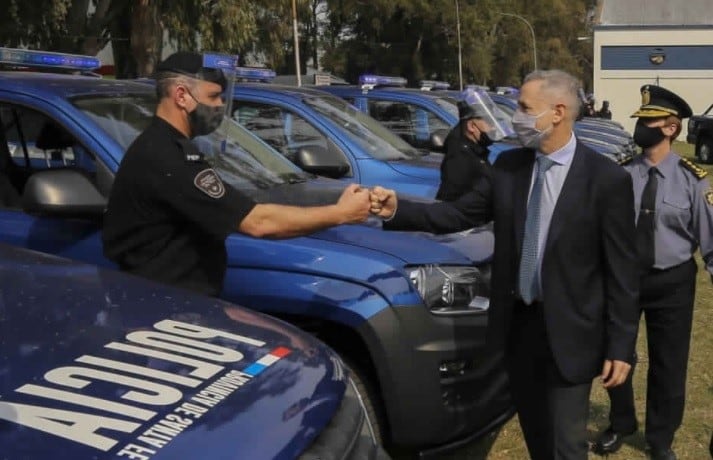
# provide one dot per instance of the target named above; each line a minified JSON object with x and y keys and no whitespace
{"x":552,"y":411}
{"x":666,"y":300}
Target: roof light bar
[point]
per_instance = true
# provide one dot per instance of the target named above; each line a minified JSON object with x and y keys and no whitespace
{"x":433,"y":85}
{"x":477,"y":87}
{"x":505,"y":90}
{"x":30,"y":58}
{"x":260,"y":74}
{"x":227,"y":62}
{"x":381,"y":80}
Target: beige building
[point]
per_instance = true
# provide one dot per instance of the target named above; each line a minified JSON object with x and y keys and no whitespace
{"x":664,"y":42}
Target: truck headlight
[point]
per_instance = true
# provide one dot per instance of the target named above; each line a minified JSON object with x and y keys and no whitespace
{"x":452,"y":290}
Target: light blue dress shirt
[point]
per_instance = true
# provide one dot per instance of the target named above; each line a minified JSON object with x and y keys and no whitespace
{"x":554,"y":180}
{"x":684,"y":211}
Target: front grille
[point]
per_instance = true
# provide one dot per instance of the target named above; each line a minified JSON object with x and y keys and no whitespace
{"x":348,"y":436}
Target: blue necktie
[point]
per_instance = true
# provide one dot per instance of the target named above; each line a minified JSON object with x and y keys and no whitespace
{"x":527,"y":280}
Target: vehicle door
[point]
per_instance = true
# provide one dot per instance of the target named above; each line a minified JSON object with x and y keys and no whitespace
{"x":40,"y":138}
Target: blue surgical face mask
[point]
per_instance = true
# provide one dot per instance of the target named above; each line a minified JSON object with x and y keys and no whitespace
{"x":524,"y":126}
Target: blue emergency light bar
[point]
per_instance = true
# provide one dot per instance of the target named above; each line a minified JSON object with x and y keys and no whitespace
{"x":381,"y":80}
{"x":30,"y":58}
{"x":505,"y":90}
{"x":433,"y":85}
{"x":477,"y":87}
{"x":220,"y":61}
{"x":255,"y":74}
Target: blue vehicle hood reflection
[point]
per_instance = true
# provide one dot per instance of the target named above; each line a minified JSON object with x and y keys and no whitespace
{"x":469,"y":247}
{"x":113,"y":361}
{"x":427,"y":167}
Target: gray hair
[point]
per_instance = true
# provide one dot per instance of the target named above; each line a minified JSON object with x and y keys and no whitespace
{"x":166,"y":80}
{"x":559,"y":83}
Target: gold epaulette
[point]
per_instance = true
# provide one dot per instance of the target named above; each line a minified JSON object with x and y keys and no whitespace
{"x":697,"y":171}
{"x":626,"y":160}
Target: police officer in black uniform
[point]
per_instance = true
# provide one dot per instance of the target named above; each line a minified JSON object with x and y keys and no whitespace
{"x":466,"y":157}
{"x":674,"y":208}
{"x":169,"y":213}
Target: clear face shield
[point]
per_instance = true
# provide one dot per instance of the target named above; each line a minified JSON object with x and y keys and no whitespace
{"x":220,"y":69}
{"x":480,"y":105}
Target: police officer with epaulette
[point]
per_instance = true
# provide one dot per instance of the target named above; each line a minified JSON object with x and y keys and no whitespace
{"x":169,"y":213}
{"x":674,"y":208}
{"x":466,"y":157}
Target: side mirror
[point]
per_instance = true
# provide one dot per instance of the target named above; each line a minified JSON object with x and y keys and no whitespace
{"x":316,"y":159}
{"x":62,"y":193}
{"x":438,"y":140}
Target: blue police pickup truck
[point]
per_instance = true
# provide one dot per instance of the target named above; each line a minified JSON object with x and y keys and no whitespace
{"x":406,"y":311}
{"x":325,"y":135}
{"x":421,"y":116}
{"x":97,"y":365}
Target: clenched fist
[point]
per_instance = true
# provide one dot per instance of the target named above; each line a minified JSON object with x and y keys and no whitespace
{"x":354,"y":204}
{"x":383,"y":202}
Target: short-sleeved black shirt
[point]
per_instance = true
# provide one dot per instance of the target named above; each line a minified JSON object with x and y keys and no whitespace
{"x":169,"y":213}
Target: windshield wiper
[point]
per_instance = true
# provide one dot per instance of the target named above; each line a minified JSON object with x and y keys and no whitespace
{"x":296,"y":178}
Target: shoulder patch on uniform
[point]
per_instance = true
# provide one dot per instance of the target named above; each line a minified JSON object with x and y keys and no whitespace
{"x":709,"y":196}
{"x":626,"y":160}
{"x":209,"y":183}
{"x":697,"y":171}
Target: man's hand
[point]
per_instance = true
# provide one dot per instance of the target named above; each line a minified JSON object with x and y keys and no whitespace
{"x":354,"y":204}
{"x":614,"y":373}
{"x":383,"y":202}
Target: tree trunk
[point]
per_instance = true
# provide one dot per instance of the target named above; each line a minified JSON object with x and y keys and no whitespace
{"x":146,"y":36}
{"x":75,"y":27}
{"x":96,"y":37}
{"x":315,"y":37}
{"x":120,"y":30}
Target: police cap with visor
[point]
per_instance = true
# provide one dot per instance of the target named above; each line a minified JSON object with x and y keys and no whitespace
{"x":658,"y":102}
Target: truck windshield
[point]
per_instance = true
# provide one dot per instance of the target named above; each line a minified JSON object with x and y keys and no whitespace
{"x":241,"y":159}
{"x":371,"y":135}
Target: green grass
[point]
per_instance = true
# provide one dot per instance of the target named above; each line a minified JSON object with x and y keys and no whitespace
{"x":691,"y":439}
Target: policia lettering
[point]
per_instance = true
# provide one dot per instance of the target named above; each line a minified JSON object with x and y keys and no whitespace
{"x":202,"y":360}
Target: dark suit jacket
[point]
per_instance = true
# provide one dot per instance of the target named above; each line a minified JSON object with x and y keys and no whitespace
{"x":589,"y":270}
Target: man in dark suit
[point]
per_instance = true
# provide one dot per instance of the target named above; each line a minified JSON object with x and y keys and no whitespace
{"x":564,"y":283}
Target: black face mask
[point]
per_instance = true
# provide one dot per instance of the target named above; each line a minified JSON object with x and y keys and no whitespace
{"x":485,"y":141}
{"x":646,"y":137}
{"x":205,"y":119}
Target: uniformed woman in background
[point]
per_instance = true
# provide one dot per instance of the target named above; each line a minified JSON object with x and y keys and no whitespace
{"x":674,"y":208}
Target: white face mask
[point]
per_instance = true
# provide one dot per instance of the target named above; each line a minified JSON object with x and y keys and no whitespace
{"x":524,"y":126}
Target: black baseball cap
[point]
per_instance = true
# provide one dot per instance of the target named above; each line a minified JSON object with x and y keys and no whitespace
{"x":191,"y":64}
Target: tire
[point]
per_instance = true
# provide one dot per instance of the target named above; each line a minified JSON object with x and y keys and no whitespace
{"x":704,"y":150}
{"x":371,"y":400}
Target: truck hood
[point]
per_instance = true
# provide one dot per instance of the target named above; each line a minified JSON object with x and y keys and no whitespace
{"x":94,"y":362}
{"x":473,"y":246}
{"x":426,"y":167}
{"x":470,"y":247}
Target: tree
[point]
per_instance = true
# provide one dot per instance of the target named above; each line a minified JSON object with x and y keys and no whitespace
{"x":74,"y":26}
{"x":413,"y":38}
{"x":416,"y":39}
